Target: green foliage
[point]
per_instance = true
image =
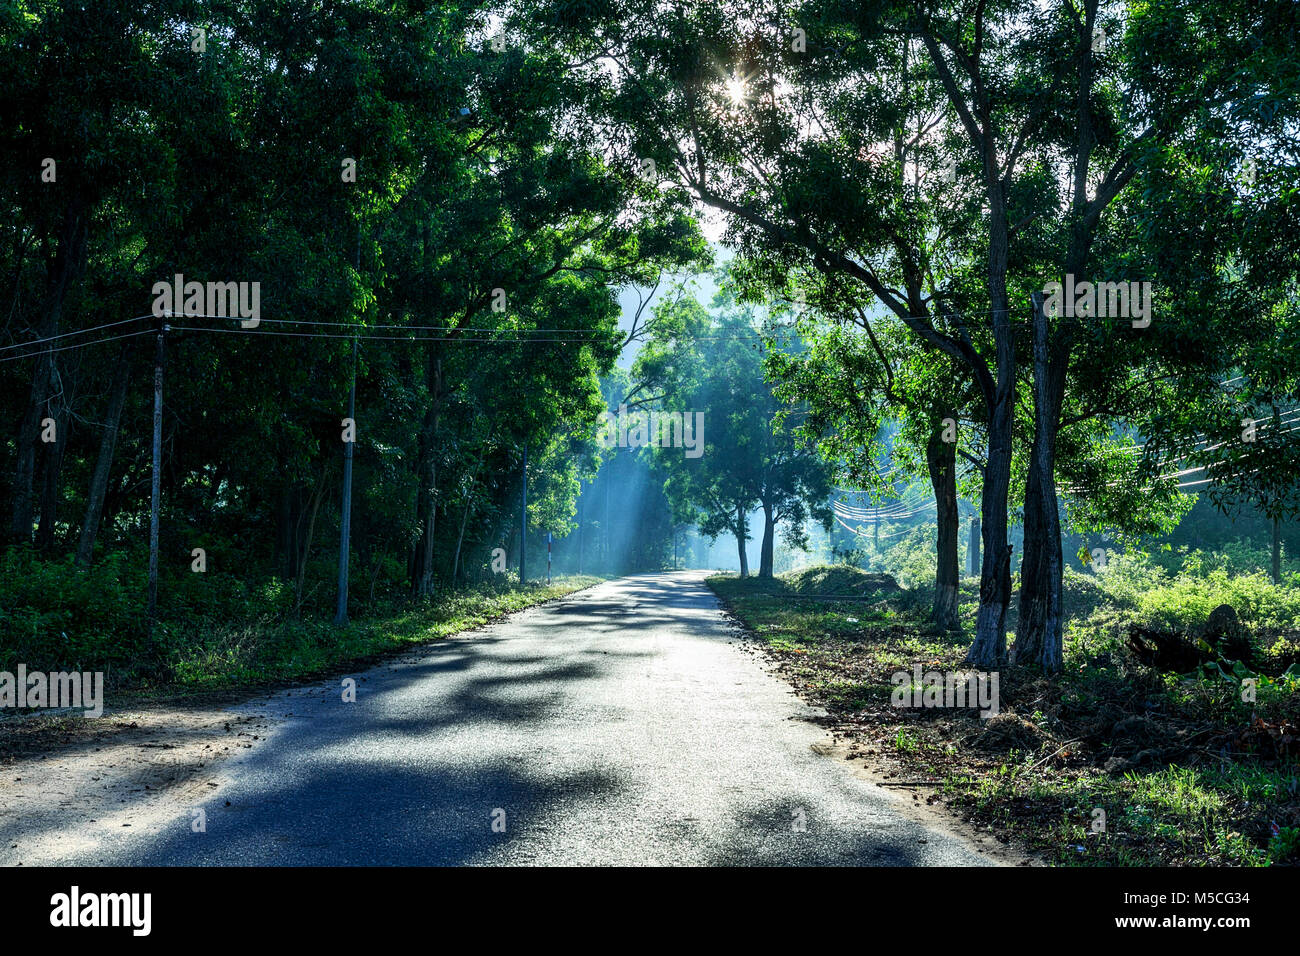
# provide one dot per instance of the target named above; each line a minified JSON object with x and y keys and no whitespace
{"x":837,"y":580}
{"x":467,"y":272}
{"x":1184,"y":600}
{"x":54,"y":617}
{"x":1284,"y":847}
{"x":712,"y":363}
{"x":910,"y":556}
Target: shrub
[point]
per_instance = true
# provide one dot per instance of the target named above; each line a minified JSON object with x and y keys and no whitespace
{"x":54,"y":616}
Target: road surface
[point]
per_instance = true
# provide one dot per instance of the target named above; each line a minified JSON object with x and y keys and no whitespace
{"x":625,"y":724}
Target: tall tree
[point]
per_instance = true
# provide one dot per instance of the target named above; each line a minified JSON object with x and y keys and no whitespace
{"x":794,"y":120}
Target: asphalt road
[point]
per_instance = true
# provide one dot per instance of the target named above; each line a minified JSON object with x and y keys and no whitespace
{"x":625,"y":724}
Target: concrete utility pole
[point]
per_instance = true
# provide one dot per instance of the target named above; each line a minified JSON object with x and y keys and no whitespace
{"x":1277,"y":527}
{"x":523,"y":519}
{"x":345,"y":516}
{"x":155,"y":489}
{"x":1277,"y":551}
{"x":345,"y":521}
{"x":582,"y":531}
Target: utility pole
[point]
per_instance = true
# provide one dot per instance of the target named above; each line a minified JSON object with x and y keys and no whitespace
{"x":523,"y":519}
{"x":345,"y":514}
{"x":582,"y":531}
{"x":548,"y":559}
{"x":1277,"y":530}
{"x":1277,"y":551}
{"x":155,"y":490}
{"x":345,"y":522}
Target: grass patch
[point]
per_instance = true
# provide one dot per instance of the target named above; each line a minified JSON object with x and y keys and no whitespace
{"x":1109,"y":763}
{"x":264,"y":652}
{"x":207,"y":653}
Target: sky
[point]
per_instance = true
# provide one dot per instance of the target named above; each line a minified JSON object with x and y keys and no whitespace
{"x":712,"y":226}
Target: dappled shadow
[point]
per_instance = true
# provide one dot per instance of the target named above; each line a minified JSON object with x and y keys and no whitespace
{"x":534,"y":718}
{"x":793,"y":832}
{"x":374,"y":814}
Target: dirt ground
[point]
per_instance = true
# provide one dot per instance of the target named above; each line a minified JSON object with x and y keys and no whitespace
{"x":64,"y":779}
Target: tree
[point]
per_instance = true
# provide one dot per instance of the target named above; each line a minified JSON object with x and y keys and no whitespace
{"x":447,"y":221}
{"x":710,"y":367}
{"x":857,"y":377}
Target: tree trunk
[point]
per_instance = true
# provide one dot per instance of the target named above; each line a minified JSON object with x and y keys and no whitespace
{"x":305,"y":552}
{"x":605,"y":541}
{"x":104,"y":463}
{"x":941,"y":460}
{"x":989,"y":649}
{"x":20,"y":524}
{"x":460,"y":538}
{"x":1034,"y":582}
{"x":765,"y":555}
{"x":582,"y":528}
{"x":1277,"y":551}
{"x":741,"y":538}
{"x":51,"y":472}
{"x":286,"y":524}
{"x":69,"y":258}
{"x":1039,"y":630}
{"x":973,"y":547}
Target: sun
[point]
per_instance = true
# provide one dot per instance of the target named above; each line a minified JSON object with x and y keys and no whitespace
{"x":737,"y":91}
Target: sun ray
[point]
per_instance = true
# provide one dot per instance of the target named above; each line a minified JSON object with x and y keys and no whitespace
{"x":737,"y":90}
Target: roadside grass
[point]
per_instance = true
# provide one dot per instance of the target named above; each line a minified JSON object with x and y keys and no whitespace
{"x":217,"y":630}
{"x":229,"y":651}
{"x":231,"y":655}
{"x":1110,"y":763}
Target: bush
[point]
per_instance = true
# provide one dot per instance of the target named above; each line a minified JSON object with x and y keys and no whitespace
{"x":838,"y":579}
{"x":911,"y":557}
{"x":1184,"y":600}
{"x":54,"y":617}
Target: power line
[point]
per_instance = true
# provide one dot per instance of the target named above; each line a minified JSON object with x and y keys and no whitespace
{"x":890,"y":516}
{"x":64,"y":335}
{"x":111,"y":338}
{"x":858,"y":532}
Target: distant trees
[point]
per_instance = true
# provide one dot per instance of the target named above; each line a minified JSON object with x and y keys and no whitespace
{"x":711,"y":363}
{"x":852,"y":382}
